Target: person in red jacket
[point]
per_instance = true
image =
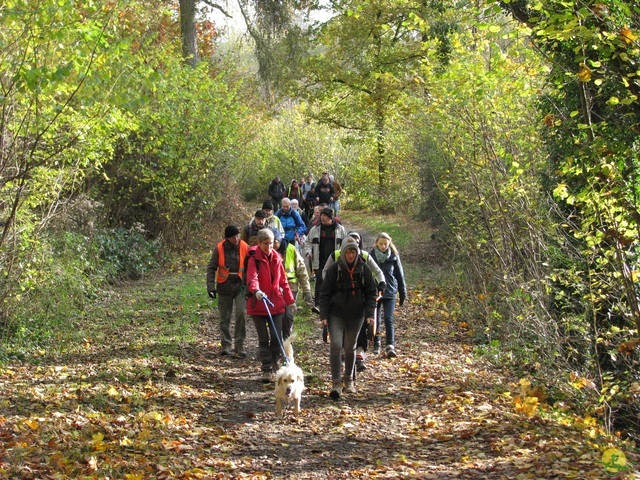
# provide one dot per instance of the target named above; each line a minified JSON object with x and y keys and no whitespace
{"x":266,"y":278}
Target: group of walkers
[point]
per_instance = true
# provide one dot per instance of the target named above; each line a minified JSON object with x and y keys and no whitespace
{"x":260,"y":271}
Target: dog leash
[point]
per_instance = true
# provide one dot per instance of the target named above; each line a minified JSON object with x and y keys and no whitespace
{"x":268,"y":302}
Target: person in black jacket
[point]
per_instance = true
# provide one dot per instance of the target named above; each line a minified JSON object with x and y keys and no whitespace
{"x":347,"y":296}
{"x":387,"y":257}
{"x":276,"y":191}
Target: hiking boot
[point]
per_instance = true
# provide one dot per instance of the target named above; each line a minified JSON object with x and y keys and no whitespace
{"x":391,"y":351}
{"x":315,"y":309}
{"x":349,"y":386}
{"x":336,"y":390}
{"x":360,"y":366}
{"x":226,"y":351}
{"x":241,"y":352}
{"x":376,"y":345}
{"x":266,"y":376}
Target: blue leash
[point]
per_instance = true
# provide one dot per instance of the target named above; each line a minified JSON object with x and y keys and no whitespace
{"x":268,"y":302}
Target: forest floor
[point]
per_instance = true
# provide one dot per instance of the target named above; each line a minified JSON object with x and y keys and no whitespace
{"x":133,"y":402}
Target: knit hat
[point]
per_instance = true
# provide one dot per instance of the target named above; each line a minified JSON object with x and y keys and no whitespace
{"x":347,"y":246}
{"x":267,"y":205}
{"x":260,"y":214}
{"x":231,"y":231}
{"x":354,"y":237}
{"x":327,"y":211}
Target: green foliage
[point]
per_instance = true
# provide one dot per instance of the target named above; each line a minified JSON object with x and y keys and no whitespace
{"x":127,"y":254}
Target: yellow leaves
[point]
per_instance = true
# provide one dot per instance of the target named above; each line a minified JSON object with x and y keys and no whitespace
{"x":579,"y":382}
{"x":526,"y":405}
{"x":133,"y":476}
{"x":627,"y":35}
{"x":98,"y":442}
{"x":584,"y":75}
{"x":32,"y":424}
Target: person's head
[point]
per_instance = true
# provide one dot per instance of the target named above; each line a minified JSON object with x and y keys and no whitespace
{"x":326,"y":216}
{"x":260,"y":218}
{"x":277,"y":179}
{"x":232,"y":234}
{"x":265,"y":240}
{"x":294,"y":183}
{"x":331,"y":178}
{"x":325,"y":174}
{"x":316,"y":211}
{"x":277,"y":238}
{"x":354,"y":237}
{"x":348,"y":253}
{"x":295,"y":204}
{"x":384,"y":242}
{"x":286,"y":205}
{"x":309,"y":179}
{"x":267,"y":206}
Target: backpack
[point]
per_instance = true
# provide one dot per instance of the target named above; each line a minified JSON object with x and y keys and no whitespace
{"x":339,"y":282}
{"x":250,"y":253}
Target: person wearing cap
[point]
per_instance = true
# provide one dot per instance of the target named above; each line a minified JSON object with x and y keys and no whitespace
{"x":276,"y":191}
{"x":297,"y":277}
{"x":266,"y":278}
{"x":257,"y":223}
{"x":362,"y":344}
{"x":347,"y":296}
{"x":271,"y":221}
{"x":322,"y":241}
{"x":224,"y":282}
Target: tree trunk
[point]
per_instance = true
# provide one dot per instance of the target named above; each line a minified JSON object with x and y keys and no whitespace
{"x":188,"y":32}
{"x":382,"y":157}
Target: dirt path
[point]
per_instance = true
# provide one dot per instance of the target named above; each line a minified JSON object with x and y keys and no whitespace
{"x":135,"y":406}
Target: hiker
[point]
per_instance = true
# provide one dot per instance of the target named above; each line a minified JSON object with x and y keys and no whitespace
{"x":324,"y":190}
{"x":291,"y":222}
{"x":305,"y":192}
{"x":276,"y":191}
{"x":347,"y":297}
{"x":295,"y":206}
{"x":271,"y":220}
{"x":337,"y":190}
{"x":363,"y":337}
{"x":322,"y":241}
{"x":297,"y":277}
{"x":266,"y":278}
{"x":387,"y":257}
{"x":294,"y":191}
{"x":257,"y":223}
{"x":224,"y":282}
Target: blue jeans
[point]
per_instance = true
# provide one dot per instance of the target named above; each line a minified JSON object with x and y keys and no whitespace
{"x":226,"y":304}
{"x":268,"y":344}
{"x":343,"y":333}
{"x":389,"y":306}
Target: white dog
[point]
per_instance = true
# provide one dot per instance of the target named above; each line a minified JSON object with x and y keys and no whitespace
{"x":289,"y":382}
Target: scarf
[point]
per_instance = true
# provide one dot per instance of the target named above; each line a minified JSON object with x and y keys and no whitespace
{"x":381,"y":256}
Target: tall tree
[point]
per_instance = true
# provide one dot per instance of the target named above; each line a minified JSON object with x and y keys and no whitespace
{"x":365,"y":74}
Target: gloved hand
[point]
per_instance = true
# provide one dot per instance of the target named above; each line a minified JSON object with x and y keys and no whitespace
{"x":213,"y":293}
{"x":402,"y":299}
{"x":294,"y":308}
{"x":260,"y":295}
{"x":308,"y":299}
{"x":382,"y":286}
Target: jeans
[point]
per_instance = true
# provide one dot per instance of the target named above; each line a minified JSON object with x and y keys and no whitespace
{"x":389,"y":306}
{"x":226,"y":304}
{"x":268,"y":344}
{"x":343,"y":333}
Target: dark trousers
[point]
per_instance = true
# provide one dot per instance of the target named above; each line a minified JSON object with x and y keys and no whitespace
{"x":268,"y":343}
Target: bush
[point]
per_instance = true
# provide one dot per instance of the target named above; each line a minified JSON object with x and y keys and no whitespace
{"x":127,"y":254}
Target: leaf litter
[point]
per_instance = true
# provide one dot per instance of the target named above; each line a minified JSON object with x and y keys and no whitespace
{"x":131,"y":407}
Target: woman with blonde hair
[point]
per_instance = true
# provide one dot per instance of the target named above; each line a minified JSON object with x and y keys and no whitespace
{"x":387,"y":257}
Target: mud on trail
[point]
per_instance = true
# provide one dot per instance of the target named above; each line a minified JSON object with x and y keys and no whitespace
{"x":133,"y":405}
